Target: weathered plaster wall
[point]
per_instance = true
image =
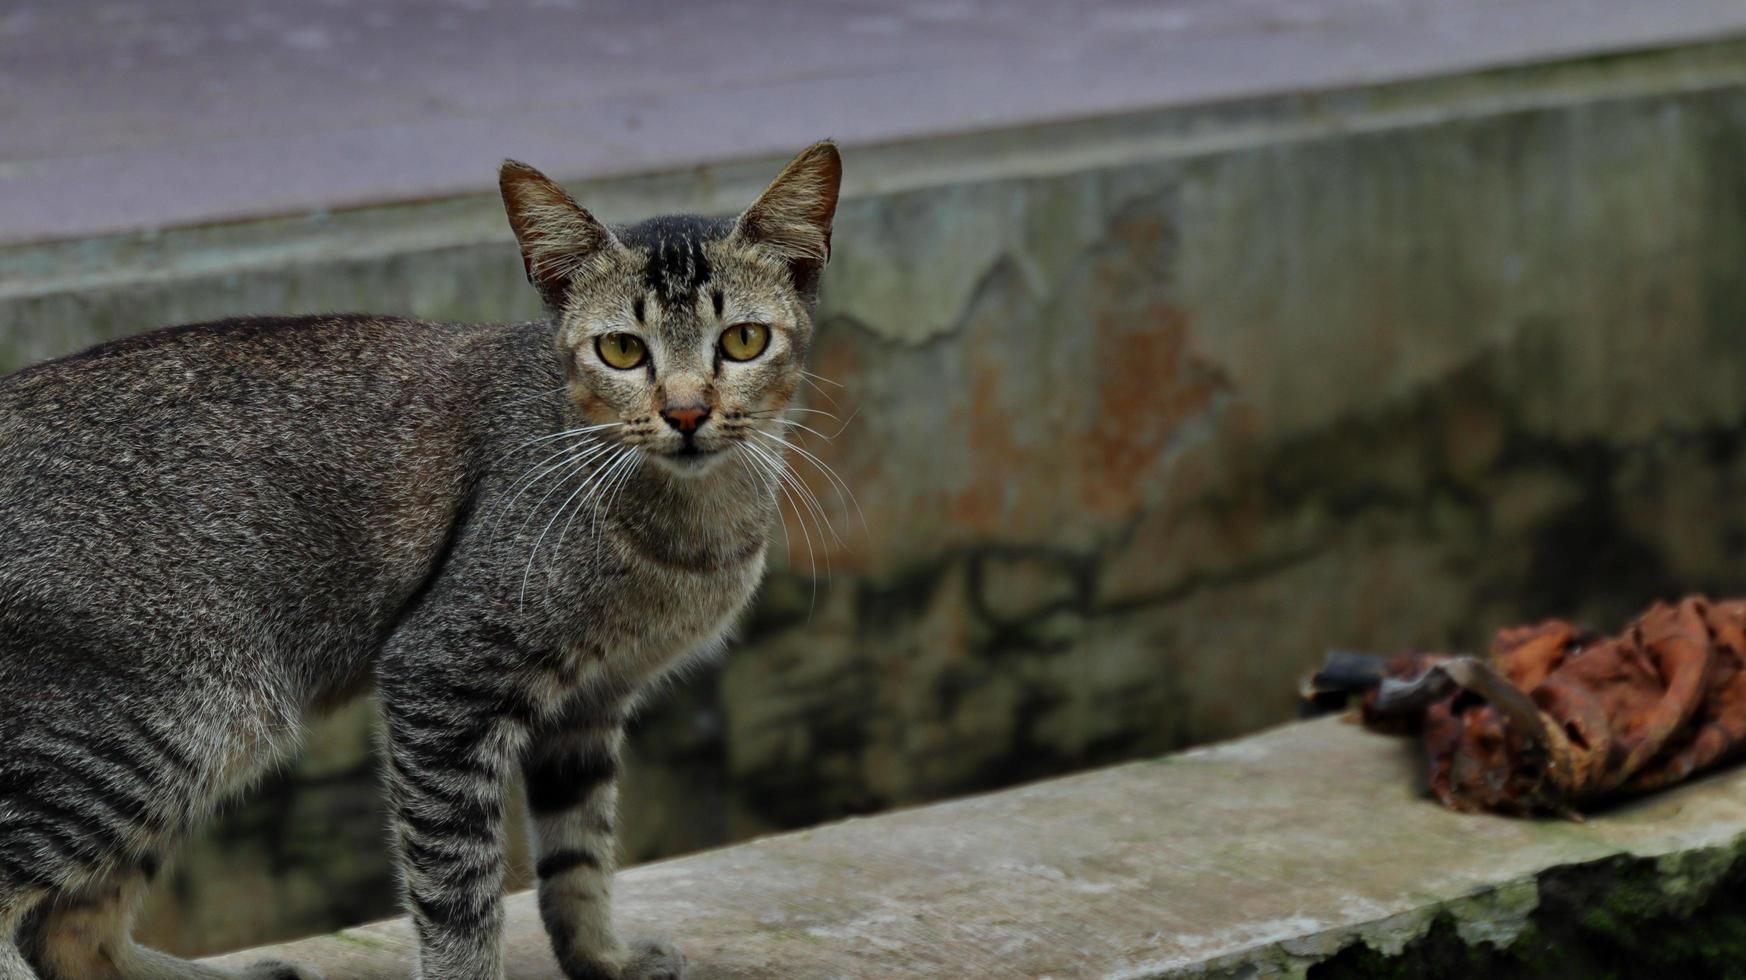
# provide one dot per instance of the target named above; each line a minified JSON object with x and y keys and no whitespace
{"x":1135,"y":445}
{"x":1134,"y":441}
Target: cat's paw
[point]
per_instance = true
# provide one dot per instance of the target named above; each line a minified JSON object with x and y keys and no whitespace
{"x":275,"y":970}
{"x":652,"y":959}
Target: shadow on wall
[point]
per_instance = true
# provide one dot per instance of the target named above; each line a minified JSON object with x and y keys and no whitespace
{"x":1134,"y":445}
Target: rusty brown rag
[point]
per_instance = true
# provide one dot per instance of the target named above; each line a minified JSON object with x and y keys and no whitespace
{"x":1560,"y":718}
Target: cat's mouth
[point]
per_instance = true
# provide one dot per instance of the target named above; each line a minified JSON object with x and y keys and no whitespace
{"x":691,"y":458}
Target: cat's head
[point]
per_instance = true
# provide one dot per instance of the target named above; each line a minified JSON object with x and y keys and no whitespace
{"x":686,"y":336}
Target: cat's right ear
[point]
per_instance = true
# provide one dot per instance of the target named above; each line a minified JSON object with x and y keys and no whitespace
{"x":557,"y":235}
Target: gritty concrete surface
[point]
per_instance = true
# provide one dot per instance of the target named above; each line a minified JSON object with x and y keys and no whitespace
{"x":122,"y":115}
{"x":1256,"y":858}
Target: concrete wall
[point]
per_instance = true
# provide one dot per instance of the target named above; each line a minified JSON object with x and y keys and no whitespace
{"x":1147,"y":412}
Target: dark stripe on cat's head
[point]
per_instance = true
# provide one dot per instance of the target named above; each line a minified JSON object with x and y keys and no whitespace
{"x":677,"y":267}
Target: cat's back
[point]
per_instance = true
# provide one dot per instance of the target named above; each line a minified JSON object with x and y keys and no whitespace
{"x":218,"y":398}
{"x":232,"y":363}
{"x":247,"y":453}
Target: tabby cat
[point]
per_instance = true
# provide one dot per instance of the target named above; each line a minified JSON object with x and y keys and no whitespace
{"x":210,"y":533}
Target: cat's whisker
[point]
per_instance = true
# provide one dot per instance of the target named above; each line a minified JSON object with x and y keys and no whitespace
{"x":842,"y":487}
{"x":843,"y":424}
{"x":777,"y":412}
{"x":604,"y":475}
{"x":834,"y":417}
{"x":769,"y":486}
{"x":533,"y":554}
{"x":625,"y":478}
{"x":777,"y":415}
{"x":820,"y":377}
{"x":804,"y":492}
{"x":571,"y":454}
{"x":578,"y":433}
{"x":776,"y":468}
{"x":571,"y":469}
{"x":611,"y":478}
{"x":820,"y":518}
{"x":803,"y":495}
{"x":574,"y":452}
{"x":808,"y":378}
{"x":558,"y":482}
{"x":806,"y":428}
{"x":594,"y":490}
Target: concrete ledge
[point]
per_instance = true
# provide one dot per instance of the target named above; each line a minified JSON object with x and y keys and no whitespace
{"x":1306,"y":846}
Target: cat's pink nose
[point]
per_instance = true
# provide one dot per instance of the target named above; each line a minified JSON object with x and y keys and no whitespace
{"x":685,"y":418}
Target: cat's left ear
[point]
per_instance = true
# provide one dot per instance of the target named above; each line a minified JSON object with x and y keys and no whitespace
{"x":557,"y":235}
{"x":792,"y":218}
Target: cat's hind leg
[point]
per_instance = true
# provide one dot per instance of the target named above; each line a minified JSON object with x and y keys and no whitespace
{"x":89,"y":936}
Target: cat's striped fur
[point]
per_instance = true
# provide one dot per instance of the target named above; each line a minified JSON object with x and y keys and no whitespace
{"x":211,"y":532}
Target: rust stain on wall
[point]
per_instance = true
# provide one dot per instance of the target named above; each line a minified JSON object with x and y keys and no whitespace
{"x":1151,"y":384}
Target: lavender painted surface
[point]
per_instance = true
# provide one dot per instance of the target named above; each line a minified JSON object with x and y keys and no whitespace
{"x":132,"y":114}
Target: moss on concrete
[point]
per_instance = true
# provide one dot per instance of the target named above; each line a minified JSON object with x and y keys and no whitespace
{"x":1615,"y":919}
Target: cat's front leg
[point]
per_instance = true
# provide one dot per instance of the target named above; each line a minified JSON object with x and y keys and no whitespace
{"x":450,"y":746}
{"x":571,"y":772}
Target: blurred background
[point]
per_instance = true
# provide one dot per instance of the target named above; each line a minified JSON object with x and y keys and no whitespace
{"x":1173,"y":341}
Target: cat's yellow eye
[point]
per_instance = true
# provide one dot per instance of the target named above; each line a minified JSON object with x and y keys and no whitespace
{"x":744,"y":341}
{"x":621,"y":350}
